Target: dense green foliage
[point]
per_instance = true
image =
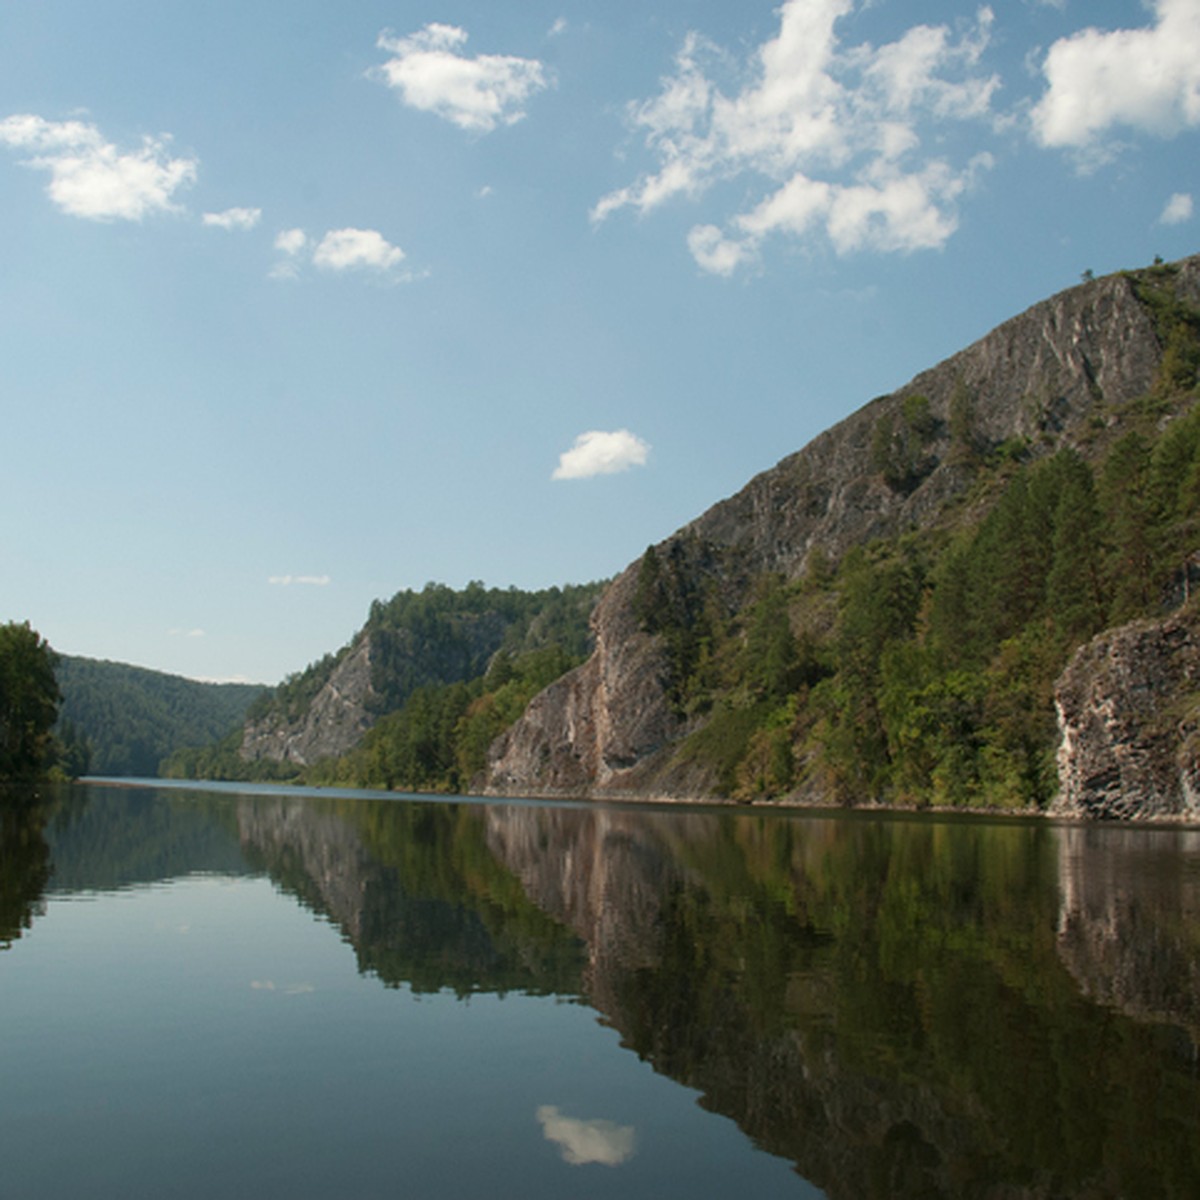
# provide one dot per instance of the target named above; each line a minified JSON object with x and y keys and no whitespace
{"x":440,"y":636}
{"x":922,"y":672}
{"x":29,"y":699}
{"x":130,"y":719}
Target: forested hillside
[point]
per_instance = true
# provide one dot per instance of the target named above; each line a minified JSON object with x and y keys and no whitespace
{"x":129,"y":719}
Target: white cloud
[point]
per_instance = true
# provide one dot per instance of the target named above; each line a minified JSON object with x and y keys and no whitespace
{"x":1178,"y":209}
{"x":1145,"y":79}
{"x":583,"y":1142}
{"x":291,"y":241}
{"x":597,"y":453}
{"x":233,"y":218}
{"x":340,"y":250}
{"x":308,"y":580}
{"x":473,"y":93}
{"x":185,"y":633}
{"x":90,"y":177}
{"x":830,"y":137}
{"x":558,"y":28}
{"x":343,"y":249}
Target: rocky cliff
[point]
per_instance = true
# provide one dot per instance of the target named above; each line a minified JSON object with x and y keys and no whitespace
{"x":340,"y":713}
{"x":430,"y":638}
{"x":1129,"y":715}
{"x":1044,"y":379}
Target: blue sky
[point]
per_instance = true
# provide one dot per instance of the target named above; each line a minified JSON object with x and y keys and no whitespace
{"x":303,"y":303}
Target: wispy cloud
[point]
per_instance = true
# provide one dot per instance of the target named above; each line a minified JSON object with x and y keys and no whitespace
{"x":1145,"y":79}
{"x":829,"y":137}
{"x":299,"y":580}
{"x":591,"y":1141}
{"x":1178,"y":209}
{"x":431,"y":74}
{"x":600,"y":453}
{"x":233,"y":218}
{"x":186,"y":633}
{"x":90,"y":177}
{"x":291,"y":241}
{"x":287,"y":989}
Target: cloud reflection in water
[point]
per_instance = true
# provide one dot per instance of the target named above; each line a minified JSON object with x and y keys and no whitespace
{"x":595,"y":1141}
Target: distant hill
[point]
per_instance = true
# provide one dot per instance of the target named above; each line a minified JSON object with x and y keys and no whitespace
{"x":132,"y":718}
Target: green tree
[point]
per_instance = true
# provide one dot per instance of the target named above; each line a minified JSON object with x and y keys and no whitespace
{"x":29,"y":699}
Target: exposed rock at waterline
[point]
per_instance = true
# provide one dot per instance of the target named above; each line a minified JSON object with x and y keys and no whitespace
{"x":1130,"y":723}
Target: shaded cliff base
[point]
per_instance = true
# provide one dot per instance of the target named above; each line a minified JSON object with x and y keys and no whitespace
{"x":1128,"y":711}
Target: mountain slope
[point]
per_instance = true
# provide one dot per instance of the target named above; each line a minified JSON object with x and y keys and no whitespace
{"x":1075,"y":373}
{"x":132,"y":718}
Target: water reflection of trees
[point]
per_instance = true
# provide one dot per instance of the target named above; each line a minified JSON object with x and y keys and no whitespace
{"x":883,"y":1002}
{"x":893,"y":1005}
{"x":900,"y":1007}
{"x":24,"y":863}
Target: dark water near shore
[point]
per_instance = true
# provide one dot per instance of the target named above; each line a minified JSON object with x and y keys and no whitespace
{"x":245,"y":993}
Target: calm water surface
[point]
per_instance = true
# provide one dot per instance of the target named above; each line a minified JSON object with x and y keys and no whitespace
{"x":239,"y":993}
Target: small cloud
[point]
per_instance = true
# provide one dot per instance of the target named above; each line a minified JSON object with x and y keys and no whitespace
{"x":185,"y":633}
{"x":262,"y":985}
{"x":583,"y":1142}
{"x":339,"y":250}
{"x":598,"y":453}
{"x":299,"y":580}
{"x":484,"y":192}
{"x":234,"y":218}
{"x":1177,"y":210}
{"x":345,"y":249}
{"x":291,"y":241}
{"x":473,"y":93}
{"x":90,"y":177}
{"x":558,"y":28}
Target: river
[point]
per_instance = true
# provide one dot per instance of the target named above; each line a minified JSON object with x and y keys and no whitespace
{"x":238,"y":991}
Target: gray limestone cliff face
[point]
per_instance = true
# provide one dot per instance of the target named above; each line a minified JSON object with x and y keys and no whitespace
{"x":333,"y":723}
{"x":1130,"y":723}
{"x":598,"y":725}
{"x":607,"y":728}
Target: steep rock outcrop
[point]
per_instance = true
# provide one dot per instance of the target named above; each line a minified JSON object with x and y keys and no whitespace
{"x":340,"y":713}
{"x":599,"y":725}
{"x":1130,"y":723}
{"x":1043,"y":376}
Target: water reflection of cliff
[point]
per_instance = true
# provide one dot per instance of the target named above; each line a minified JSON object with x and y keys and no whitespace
{"x":414,"y":891}
{"x":1129,"y":925}
{"x":883,"y":1002}
{"x":900,"y":1008}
